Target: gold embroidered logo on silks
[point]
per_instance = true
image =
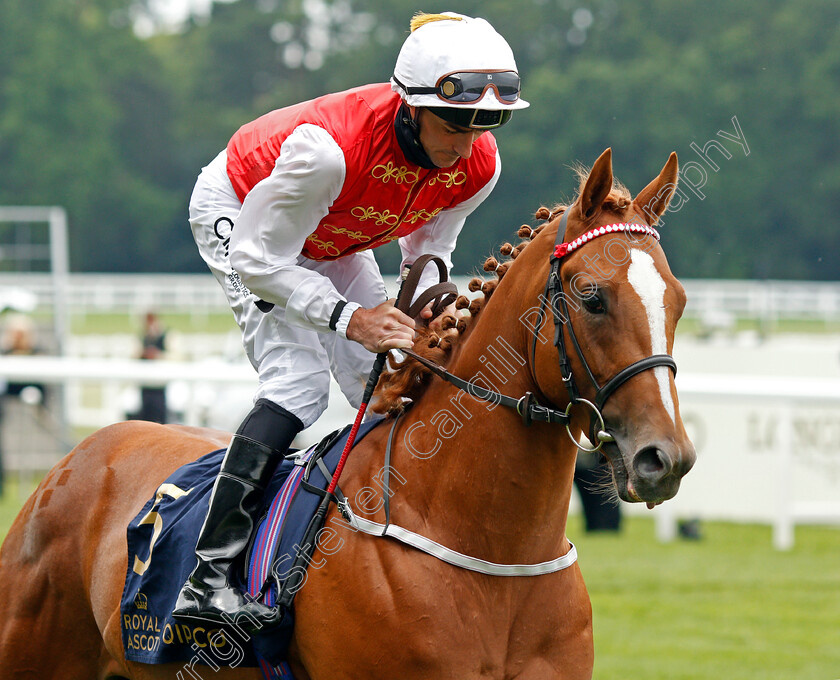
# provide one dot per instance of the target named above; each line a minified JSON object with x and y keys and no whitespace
{"x":449,"y":179}
{"x":328,"y":247}
{"x":424,"y":215}
{"x":388,"y":171}
{"x":354,"y":235}
{"x":385,"y":217}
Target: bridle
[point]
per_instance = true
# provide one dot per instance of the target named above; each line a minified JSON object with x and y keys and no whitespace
{"x":553,"y":294}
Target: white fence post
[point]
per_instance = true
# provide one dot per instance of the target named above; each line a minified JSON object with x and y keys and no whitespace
{"x":783,"y":525}
{"x":665,"y":523}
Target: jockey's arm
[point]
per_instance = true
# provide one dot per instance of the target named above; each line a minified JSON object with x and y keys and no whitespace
{"x":276,"y":217}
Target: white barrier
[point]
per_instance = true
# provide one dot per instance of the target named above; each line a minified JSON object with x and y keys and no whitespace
{"x":768,"y":448}
{"x":718,"y":302}
{"x":211,"y":393}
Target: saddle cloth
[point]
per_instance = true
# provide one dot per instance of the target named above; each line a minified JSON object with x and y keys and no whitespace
{"x":161,"y":555}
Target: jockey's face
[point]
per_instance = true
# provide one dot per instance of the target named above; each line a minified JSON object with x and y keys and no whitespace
{"x":444,"y":143}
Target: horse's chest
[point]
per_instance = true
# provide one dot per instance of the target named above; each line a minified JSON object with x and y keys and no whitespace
{"x":426,"y":619}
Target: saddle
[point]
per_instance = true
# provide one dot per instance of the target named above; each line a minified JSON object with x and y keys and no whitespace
{"x":161,"y":542}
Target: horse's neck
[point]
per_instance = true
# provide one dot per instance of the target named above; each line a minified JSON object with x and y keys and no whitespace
{"x":492,"y":482}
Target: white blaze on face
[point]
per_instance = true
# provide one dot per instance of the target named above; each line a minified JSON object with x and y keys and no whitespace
{"x":650,"y":287}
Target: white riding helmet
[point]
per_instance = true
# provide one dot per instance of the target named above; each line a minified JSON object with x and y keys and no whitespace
{"x":458,"y":66}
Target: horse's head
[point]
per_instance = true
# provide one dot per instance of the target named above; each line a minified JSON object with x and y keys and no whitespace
{"x":616,"y":308}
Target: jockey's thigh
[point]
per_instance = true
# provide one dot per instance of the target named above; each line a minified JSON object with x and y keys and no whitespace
{"x":358,"y":279}
{"x":292,"y":365}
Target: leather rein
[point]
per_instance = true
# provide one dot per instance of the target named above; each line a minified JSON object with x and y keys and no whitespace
{"x":442,"y":294}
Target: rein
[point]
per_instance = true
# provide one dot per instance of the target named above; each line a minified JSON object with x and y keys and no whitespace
{"x":525,"y":406}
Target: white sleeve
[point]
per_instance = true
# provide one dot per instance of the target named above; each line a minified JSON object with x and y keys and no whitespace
{"x":276,"y":217}
{"x":439,"y":235}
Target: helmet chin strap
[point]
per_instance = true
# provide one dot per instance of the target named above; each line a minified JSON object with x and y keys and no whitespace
{"x":408,"y":137}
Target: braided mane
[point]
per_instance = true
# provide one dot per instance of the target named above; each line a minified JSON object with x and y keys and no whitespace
{"x":407,"y":380}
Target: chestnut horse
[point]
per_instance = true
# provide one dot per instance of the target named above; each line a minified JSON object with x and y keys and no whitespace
{"x":470,"y":474}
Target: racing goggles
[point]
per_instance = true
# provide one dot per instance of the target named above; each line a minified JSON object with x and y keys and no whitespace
{"x":468,"y":87}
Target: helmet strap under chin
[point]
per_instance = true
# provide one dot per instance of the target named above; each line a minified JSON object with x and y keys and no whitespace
{"x":408,"y":137}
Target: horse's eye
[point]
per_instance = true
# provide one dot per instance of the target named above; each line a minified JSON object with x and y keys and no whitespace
{"x":594,"y":304}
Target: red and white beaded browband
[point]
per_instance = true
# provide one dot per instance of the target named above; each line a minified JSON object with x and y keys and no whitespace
{"x":564,"y":249}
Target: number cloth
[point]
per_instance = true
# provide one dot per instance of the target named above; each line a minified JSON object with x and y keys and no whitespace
{"x":161,"y":554}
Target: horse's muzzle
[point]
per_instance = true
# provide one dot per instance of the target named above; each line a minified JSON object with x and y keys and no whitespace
{"x":652,"y":474}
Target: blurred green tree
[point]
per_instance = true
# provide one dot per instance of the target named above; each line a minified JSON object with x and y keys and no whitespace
{"x":85,"y":122}
{"x":116,"y":127}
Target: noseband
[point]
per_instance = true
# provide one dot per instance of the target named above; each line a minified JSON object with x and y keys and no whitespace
{"x":555,"y":294}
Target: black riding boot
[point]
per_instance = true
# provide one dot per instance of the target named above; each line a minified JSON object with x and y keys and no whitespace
{"x":236,"y":499}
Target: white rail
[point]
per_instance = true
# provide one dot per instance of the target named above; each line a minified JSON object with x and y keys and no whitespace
{"x":768,"y":448}
{"x":714,"y":301}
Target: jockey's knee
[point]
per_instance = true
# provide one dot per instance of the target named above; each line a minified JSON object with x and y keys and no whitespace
{"x":271,"y":424}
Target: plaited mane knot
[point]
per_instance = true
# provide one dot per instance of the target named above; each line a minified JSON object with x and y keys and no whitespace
{"x":407,"y":380}
{"x":525,"y":231}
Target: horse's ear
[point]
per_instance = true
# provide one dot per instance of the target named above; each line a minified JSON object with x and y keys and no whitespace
{"x":598,"y":185}
{"x":654,"y":198}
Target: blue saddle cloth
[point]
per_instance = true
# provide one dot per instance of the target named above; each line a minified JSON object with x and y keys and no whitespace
{"x":161,"y":554}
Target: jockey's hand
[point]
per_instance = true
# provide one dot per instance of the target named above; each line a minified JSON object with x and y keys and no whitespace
{"x":437,"y":324}
{"x":381,"y":328}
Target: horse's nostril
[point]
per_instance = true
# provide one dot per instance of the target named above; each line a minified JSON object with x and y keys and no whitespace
{"x":651,"y":464}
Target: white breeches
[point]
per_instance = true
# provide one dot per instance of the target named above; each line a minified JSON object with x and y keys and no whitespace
{"x":293,"y":363}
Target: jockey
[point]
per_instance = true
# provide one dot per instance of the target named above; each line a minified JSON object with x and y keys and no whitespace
{"x":286,"y":217}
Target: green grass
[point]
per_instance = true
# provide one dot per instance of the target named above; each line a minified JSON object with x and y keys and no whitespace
{"x":693,"y":326}
{"x":12,"y":500}
{"x":726,"y":607}
{"x":105,"y":324}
